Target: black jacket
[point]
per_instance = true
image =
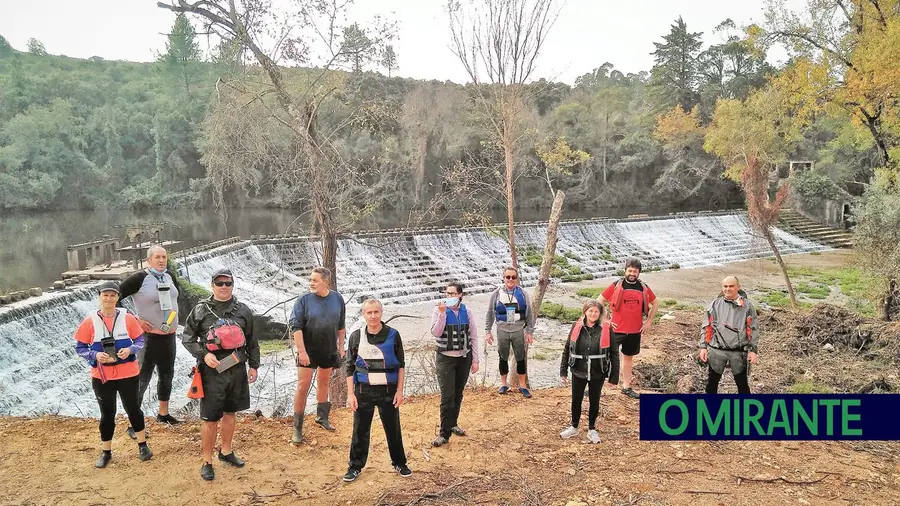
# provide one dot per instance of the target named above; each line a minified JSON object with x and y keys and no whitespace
{"x":201,"y":319}
{"x":588,"y":343}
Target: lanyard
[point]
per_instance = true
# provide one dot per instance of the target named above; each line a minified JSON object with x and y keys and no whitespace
{"x":109,"y":330}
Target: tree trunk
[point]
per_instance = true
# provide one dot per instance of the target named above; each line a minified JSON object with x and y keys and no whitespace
{"x":420,"y":169}
{"x":510,"y":203}
{"x":605,"y":144}
{"x":889,"y":300}
{"x":549,"y":253}
{"x":768,"y":233}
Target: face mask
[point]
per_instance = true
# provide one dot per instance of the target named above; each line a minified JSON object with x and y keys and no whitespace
{"x":451,"y":301}
{"x":154,"y":271}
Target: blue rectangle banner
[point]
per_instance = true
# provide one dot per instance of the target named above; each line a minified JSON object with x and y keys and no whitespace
{"x":771,"y":417}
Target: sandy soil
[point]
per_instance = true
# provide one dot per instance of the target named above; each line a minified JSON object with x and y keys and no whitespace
{"x":512,"y":455}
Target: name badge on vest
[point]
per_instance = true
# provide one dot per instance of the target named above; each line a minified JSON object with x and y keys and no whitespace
{"x":165,"y":296}
{"x":511,"y":315}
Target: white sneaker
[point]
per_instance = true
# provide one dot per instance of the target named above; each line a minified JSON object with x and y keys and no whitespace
{"x":593,"y":436}
{"x":568,"y":432}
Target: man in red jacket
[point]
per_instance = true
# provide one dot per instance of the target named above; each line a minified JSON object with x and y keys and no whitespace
{"x":630,"y":300}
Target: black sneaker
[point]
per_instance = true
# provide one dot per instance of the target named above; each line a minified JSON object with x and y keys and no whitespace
{"x":439,"y":441}
{"x":145,"y":453}
{"x":631,"y":393}
{"x":403,"y":470}
{"x":103,"y":461}
{"x":232,"y":459}
{"x":206,"y":472}
{"x":352,"y":474}
{"x":167,"y":418}
{"x":458,"y":431}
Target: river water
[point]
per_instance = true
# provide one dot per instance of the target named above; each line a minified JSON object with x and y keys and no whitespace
{"x":33,"y":246}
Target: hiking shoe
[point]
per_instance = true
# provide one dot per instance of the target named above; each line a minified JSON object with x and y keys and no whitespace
{"x":167,"y":418}
{"x":525,"y":393}
{"x":593,"y":436}
{"x":403,"y":470}
{"x":144,"y":453}
{"x":232,"y":459}
{"x":103,"y":461}
{"x":458,"y":431}
{"x":206,"y":472}
{"x":568,"y":432}
{"x":503,"y":389}
{"x":631,"y":393}
{"x":351,"y":475}
{"x":132,"y":435}
{"x":439,"y":441}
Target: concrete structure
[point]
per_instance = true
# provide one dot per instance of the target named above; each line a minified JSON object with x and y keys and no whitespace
{"x":102,"y":251}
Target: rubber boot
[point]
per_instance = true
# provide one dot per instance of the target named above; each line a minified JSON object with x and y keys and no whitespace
{"x":322,"y":411}
{"x":298,"y":429}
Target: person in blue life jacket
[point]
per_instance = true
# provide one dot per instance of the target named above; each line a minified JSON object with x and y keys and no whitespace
{"x":510,"y":308}
{"x":375,"y":367}
{"x":456,"y":339}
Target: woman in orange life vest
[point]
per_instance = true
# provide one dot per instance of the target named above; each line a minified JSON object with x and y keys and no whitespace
{"x":109,"y":340}
{"x":589,"y":354}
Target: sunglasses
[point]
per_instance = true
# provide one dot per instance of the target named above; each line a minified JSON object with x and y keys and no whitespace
{"x":511,"y":277}
{"x":224,"y":283}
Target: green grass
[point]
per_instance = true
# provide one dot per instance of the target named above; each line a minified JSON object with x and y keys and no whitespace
{"x":620,"y":272}
{"x":542,"y":355}
{"x":190,"y":289}
{"x":573,"y":256}
{"x":272,"y":345}
{"x":780,"y":299}
{"x":591,"y":293}
{"x":668,"y":302}
{"x":809,"y":387}
{"x":813,"y":292}
{"x":851,"y":280}
{"x":559,"y":312}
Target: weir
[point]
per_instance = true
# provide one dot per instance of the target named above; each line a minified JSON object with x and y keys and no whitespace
{"x":40,"y":372}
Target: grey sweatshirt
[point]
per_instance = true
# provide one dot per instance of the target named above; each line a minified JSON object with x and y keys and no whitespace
{"x":528,"y":322}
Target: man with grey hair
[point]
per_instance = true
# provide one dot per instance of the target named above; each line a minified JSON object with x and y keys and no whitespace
{"x":317,"y":326}
{"x":154,"y":293}
{"x":375,"y":369}
{"x":729,"y":336}
{"x":515,"y":325}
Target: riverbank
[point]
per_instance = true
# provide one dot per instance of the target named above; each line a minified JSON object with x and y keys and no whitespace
{"x":512,"y":455}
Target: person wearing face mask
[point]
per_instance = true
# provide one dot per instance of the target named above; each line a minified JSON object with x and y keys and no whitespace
{"x":515,"y":325}
{"x":218,"y":332}
{"x":108,"y":340}
{"x":457,"y":354}
{"x":632,"y":306}
{"x":592,"y":360}
{"x":154,"y":293}
{"x":729,"y":337}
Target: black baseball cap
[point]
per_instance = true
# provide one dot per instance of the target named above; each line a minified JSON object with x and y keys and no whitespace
{"x":108,"y":286}
{"x":222,"y":272}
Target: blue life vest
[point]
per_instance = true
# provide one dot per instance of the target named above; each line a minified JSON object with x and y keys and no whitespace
{"x":519,"y":304}
{"x":456,"y":331}
{"x":377,"y":364}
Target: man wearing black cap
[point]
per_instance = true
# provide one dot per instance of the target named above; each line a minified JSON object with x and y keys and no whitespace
{"x":219,"y":333}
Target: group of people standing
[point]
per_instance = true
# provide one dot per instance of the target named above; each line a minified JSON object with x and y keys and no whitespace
{"x":123,"y":350}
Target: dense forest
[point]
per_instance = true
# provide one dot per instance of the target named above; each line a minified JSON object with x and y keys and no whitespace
{"x":95,"y":133}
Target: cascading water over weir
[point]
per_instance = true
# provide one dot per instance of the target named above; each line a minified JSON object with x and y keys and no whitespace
{"x":40,"y":372}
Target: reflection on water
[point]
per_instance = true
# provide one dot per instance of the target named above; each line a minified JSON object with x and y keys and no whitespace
{"x":33,"y":247}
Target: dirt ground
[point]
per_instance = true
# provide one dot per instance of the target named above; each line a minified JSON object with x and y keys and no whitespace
{"x":512,"y":454}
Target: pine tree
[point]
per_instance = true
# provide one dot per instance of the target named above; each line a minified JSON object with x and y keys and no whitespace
{"x":674,"y":75}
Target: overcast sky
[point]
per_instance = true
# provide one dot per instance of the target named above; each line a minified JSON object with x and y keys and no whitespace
{"x":587,"y":33}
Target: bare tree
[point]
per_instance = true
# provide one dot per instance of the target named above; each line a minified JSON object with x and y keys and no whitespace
{"x":498,"y":42}
{"x":308,"y":165}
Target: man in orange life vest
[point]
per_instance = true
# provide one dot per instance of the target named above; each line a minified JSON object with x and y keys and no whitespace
{"x":630,"y":300}
{"x":729,"y":336}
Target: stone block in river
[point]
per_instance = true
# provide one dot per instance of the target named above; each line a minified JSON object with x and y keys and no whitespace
{"x":35,"y":292}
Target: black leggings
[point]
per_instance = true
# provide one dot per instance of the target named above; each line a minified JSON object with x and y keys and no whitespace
{"x":594,"y":387}
{"x":127,"y":388}
{"x":521,"y":367}
{"x":158,"y":353}
{"x":742,"y":381}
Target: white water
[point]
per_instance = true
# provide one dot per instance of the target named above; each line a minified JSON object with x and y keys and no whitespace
{"x":40,"y":372}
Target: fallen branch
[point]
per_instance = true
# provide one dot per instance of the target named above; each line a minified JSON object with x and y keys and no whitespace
{"x":777,"y":479}
{"x":705,"y":492}
{"x":685,"y":471}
